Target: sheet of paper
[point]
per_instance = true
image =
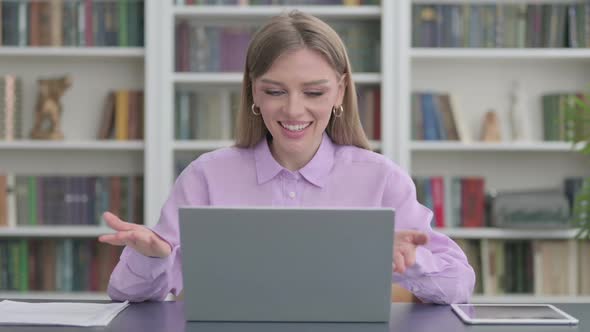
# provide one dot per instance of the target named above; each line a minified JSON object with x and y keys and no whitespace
{"x":59,"y":313}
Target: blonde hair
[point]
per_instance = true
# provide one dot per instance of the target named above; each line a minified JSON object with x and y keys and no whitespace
{"x":288,"y":32}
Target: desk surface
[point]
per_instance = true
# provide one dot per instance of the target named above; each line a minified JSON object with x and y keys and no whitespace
{"x":169,"y":316}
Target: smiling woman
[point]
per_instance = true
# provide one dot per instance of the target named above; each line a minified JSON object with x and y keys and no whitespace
{"x":295,"y":109}
{"x":299,"y":144}
{"x":301,"y":63}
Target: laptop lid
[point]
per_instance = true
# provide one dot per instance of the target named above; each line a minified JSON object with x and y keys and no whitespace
{"x":277,"y":264}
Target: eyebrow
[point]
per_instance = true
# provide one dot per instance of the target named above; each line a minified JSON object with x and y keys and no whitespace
{"x":265,"y":80}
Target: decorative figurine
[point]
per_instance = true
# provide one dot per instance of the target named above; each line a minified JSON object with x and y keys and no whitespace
{"x":48,"y":110}
{"x":519,"y":127}
{"x":491,"y":128}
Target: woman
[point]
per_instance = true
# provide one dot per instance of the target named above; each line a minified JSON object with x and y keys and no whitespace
{"x":299,"y":143}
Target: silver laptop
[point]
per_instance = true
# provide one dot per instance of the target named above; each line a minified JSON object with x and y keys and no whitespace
{"x":277,"y":264}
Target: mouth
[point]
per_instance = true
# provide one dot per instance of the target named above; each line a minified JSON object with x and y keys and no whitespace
{"x":295,"y":127}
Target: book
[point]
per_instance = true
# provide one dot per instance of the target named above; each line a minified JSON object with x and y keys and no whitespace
{"x":472,"y":202}
{"x":122,"y":115}
{"x":108,"y":117}
{"x":3,"y":200}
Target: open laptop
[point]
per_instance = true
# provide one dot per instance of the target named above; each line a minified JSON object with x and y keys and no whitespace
{"x":279,"y":264}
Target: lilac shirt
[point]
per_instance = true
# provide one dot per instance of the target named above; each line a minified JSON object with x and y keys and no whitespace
{"x":337,"y":175}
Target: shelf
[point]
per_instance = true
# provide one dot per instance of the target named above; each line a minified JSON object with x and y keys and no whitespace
{"x":502,"y":147}
{"x":256,"y":12}
{"x":208,"y":145}
{"x":499,"y":53}
{"x":39,"y":295}
{"x":201,"y":145}
{"x":506,"y":233}
{"x":82,"y":231}
{"x":530,"y":298}
{"x":93,"y":145}
{"x":236,"y":78}
{"x":90,"y":52}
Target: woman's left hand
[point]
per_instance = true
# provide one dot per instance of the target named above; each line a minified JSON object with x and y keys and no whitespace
{"x":404,"y":248}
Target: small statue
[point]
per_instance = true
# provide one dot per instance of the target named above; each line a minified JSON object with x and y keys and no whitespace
{"x":519,"y":127}
{"x":491,"y":128}
{"x":49,"y":109}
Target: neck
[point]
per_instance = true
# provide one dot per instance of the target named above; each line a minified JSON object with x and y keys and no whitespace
{"x":289,"y":160}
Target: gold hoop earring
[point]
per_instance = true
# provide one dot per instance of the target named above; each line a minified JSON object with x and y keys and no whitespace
{"x":253,"y":109}
{"x":337,"y":111}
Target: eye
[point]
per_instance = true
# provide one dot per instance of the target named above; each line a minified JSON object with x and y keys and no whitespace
{"x":314,"y":93}
{"x":274,"y":93}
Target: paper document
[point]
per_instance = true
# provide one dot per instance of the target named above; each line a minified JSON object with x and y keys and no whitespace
{"x":59,"y":313}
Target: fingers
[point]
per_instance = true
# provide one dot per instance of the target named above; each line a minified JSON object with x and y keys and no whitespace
{"x":409,"y":254}
{"x":149,"y":244}
{"x":404,"y":256}
{"x":116,"y":223}
{"x":141,"y":239}
{"x":122,"y":238}
{"x":420,"y":239}
{"x":111,"y":239}
{"x":412,"y":236}
{"x":399,"y":263}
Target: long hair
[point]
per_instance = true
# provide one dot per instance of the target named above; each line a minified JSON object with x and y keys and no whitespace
{"x":288,"y":32}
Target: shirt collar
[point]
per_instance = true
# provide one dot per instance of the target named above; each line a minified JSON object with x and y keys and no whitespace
{"x":316,"y":171}
{"x":266,"y":165}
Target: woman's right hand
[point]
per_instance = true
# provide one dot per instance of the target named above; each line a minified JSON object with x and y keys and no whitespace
{"x":138,"y":237}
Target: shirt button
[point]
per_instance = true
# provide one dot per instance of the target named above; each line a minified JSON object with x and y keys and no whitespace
{"x":292,"y":194}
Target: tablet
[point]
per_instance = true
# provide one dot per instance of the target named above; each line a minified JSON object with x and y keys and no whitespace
{"x":512,"y":314}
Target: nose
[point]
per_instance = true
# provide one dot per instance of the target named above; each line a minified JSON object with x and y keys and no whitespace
{"x":295,"y":106}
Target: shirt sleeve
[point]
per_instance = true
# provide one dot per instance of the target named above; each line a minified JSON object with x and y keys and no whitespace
{"x":139,"y":278}
{"x":441,"y":273}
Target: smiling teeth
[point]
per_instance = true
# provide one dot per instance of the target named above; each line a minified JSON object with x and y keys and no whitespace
{"x":299,"y":127}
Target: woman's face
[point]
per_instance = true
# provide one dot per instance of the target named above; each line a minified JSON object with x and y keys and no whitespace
{"x":295,"y":97}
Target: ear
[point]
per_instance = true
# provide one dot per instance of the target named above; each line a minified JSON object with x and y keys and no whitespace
{"x":341,"y":89}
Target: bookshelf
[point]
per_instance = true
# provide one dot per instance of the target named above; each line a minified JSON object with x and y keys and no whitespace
{"x":95,"y":70}
{"x":218,"y":15}
{"x":474,"y":72}
{"x":479,"y":79}
{"x":478,"y":76}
